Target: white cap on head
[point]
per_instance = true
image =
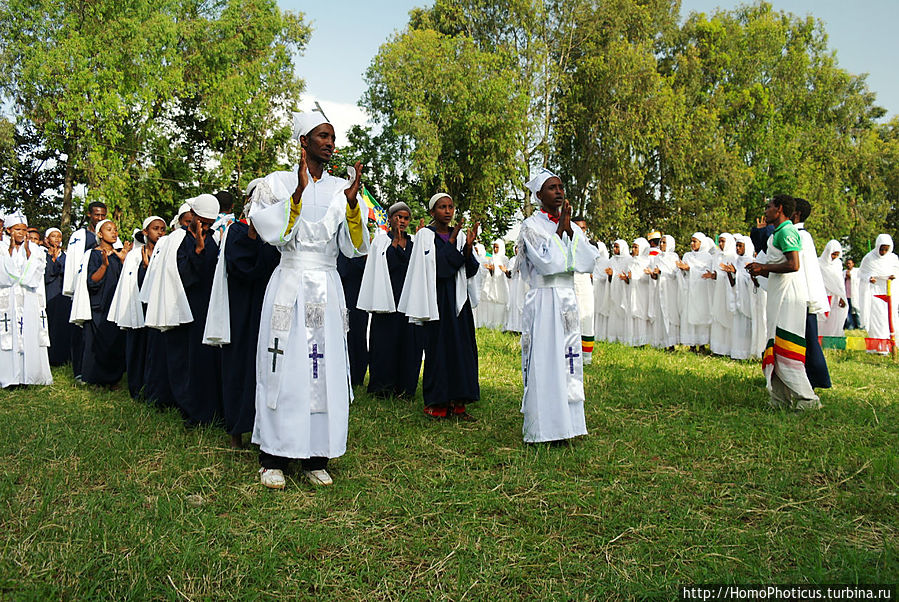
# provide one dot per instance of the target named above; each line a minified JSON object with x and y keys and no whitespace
{"x":184,"y":208}
{"x":303,"y":123}
{"x":436,"y":198}
{"x":49,"y":231}
{"x":539,"y":180}
{"x":205,"y":206}
{"x":15,"y":218}
{"x":100,"y":225}
{"x":150,"y":220}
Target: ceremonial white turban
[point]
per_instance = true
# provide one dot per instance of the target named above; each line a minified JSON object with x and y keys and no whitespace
{"x":252,"y":186}
{"x":303,"y":123}
{"x":205,"y":205}
{"x":436,"y":198}
{"x":14,"y":219}
{"x":539,"y":180}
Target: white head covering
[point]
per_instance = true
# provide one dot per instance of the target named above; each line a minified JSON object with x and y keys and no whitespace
{"x":150,"y":220}
{"x":539,"y":180}
{"x":436,"y":198}
{"x":14,"y":219}
{"x":50,"y":230}
{"x":205,"y":205}
{"x":642,"y":247}
{"x":669,"y":243}
{"x":100,"y":225}
{"x":184,"y":208}
{"x":603,"y":251}
{"x":730,"y":244}
{"x":624,"y":249}
{"x":303,"y":123}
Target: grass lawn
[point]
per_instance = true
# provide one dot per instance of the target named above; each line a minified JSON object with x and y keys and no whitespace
{"x":686,"y":477}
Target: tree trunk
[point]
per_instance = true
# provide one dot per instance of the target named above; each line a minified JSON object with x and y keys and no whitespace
{"x":65,"y":219}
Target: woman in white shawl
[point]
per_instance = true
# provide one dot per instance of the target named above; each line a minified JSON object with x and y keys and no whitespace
{"x":722,"y":315}
{"x":601,"y":293}
{"x":480,"y":253}
{"x":695,"y":294}
{"x":620,"y":326}
{"x":742,"y":299}
{"x":878,"y":267}
{"x":642,"y":290}
{"x":666,"y":325}
{"x":517,"y":289}
{"x":831,"y":262}
{"x":492,"y":309}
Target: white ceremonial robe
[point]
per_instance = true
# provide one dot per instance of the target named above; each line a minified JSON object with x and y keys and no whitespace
{"x":551,"y":362}
{"x":873,"y":307}
{"x":831,"y":323}
{"x":24,"y":333}
{"x":642,"y":291}
{"x":583,"y":292}
{"x":620,"y":325}
{"x":75,"y":253}
{"x":601,"y":296}
{"x":303,"y":387}
{"x":495,"y":295}
{"x":517,"y":290}
{"x":666,"y":325}
{"x":721,"y":334}
{"x":695,"y":297}
{"x":814,"y":281}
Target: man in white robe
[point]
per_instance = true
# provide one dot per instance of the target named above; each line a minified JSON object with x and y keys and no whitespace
{"x":878,"y":308}
{"x":552,"y":249}
{"x":302,"y":364}
{"x":831,"y":265}
{"x":24,"y":333}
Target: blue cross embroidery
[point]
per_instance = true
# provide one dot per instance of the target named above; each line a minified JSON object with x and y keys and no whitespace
{"x":43,"y":319}
{"x":570,"y":357}
{"x":21,"y":324}
{"x":275,"y":353}
{"x":315,"y":356}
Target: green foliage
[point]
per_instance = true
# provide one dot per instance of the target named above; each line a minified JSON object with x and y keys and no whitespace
{"x":685,"y":477}
{"x":153,"y":100}
{"x":650,"y":122}
{"x":455,"y":106}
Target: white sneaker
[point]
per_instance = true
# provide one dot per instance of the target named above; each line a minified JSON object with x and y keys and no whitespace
{"x":272,"y":478}
{"x":318,"y":477}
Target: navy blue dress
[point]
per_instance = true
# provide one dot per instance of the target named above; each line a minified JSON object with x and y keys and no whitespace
{"x":250,"y":263}
{"x":194,"y":369}
{"x":395,"y":345}
{"x":76,"y":333}
{"x":59,"y":309}
{"x":104,"y":342}
{"x":136,"y":349}
{"x":351,"y":271}
{"x":451,"y":351}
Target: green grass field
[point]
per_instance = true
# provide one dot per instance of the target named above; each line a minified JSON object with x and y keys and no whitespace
{"x":686,"y":477}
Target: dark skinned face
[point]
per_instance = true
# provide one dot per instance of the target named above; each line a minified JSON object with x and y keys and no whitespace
{"x":834,"y":255}
{"x":884,"y":249}
{"x":663,"y":245}
{"x":850,"y":263}
{"x":400,"y":220}
{"x":551,"y":195}
{"x":319,"y":143}
{"x":34,"y":236}
{"x":19,"y":233}
{"x":155,"y":231}
{"x":772,"y":212}
{"x":616,"y":249}
{"x":741,"y":248}
{"x":186,"y":219}
{"x":108,"y":233}
{"x":695,"y":244}
{"x":54,"y":239}
{"x":205,"y":223}
{"x":97,"y":215}
{"x":443,"y":211}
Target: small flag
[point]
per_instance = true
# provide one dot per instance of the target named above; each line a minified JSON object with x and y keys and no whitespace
{"x":376,"y":213}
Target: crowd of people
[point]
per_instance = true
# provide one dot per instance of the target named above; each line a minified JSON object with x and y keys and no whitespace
{"x":265,"y":322}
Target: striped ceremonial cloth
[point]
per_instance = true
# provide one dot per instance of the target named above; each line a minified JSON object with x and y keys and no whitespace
{"x":787,"y":350}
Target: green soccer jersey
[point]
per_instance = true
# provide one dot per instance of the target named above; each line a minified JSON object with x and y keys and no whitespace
{"x":786,"y":238}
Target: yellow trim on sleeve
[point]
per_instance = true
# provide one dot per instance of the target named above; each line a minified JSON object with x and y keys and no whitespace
{"x":354,"y":221}
{"x":295,"y":208}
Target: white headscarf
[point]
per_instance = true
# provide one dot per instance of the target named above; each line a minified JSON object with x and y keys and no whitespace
{"x":146,"y":223}
{"x":436,"y":198}
{"x":184,"y":208}
{"x":51,"y":230}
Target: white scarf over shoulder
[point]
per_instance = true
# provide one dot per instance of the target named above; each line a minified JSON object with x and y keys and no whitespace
{"x":375,"y":292}
{"x":163,"y":291}
{"x":126,"y":309}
